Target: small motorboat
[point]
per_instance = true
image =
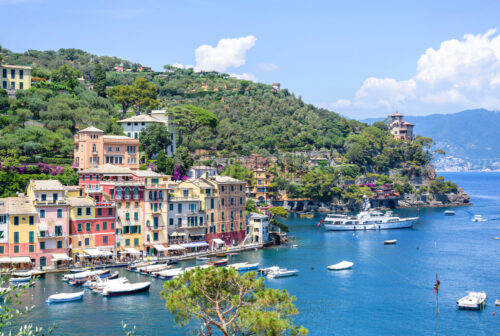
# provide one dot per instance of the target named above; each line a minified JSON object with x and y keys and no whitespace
{"x":217,"y":263}
{"x":154,"y":268}
{"x":126,"y":288}
{"x":202,"y":258}
{"x":101,"y":284}
{"x":78,"y":270}
{"x":473,"y":300}
{"x":281,"y":273}
{"x":65,"y":297}
{"x":449,"y":213}
{"x":478,"y":218}
{"x":31,"y":273}
{"x":236,"y":266}
{"x":497,"y":303}
{"x":248,"y":267}
{"x":23,"y":279}
{"x":84,"y":274}
{"x":294,"y":245}
{"x":343,"y":265}
{"x":390,"y":242}
{"x":221,"y":255}
{"x":168,"y":274}
{"x":135,"y":265}
{"x":232,"y":254}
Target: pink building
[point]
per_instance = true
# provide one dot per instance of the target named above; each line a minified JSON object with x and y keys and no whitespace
{"x":93,"y":148}
{"x":49,"y":200}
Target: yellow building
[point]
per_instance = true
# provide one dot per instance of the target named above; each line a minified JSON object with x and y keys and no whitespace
{"x":262,"y":185}
{"x":15,"y":77}
{"x":82,"y":211}
{"x":22,"y":227}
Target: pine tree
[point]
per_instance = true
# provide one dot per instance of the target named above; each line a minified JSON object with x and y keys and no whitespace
{"x":100,"y":80}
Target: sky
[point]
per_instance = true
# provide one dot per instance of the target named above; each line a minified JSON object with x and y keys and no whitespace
{"x":361,"y":59}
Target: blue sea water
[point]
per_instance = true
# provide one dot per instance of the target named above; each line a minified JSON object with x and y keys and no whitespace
{"x":389,"y":291}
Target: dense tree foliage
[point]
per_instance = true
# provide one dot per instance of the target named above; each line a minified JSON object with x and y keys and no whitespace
{"x":189,"y":119}
{"x":99,"y":80}
{"x":227,"y":303}
{"x":239,"y":172}
{"x":155,"y":139}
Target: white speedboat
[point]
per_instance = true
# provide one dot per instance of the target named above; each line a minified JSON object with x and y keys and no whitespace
{"x":449,"y":213}
{"x":473,"y":300}
{"x":248,"y":267}
{"x":168,"y":274}
{"x":341,"y":266}
{"x":202,"y":258}
{"x":390,"y":242}
{"x":126,"y":288}
{"x":23,"y":279}
{"x":276,"y":272}
{"x":478,"y":218}
{"x":99,"y":284}
{"x":65,"y":297}
{"x":84,"y":274}
{"x":237,"y":266}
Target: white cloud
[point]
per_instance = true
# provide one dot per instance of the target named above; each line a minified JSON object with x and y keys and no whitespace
{"x":245,"y":76}
{"x":229,"y":52}
{"x":460,"y":74}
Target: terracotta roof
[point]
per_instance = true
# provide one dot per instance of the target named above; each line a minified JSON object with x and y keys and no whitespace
{"x":397,"y":114}
{"x":118,"y":137}
{"x":46,"y":185}
{"x":142,"y":118}
{"x":408,"y":123}
{"x":219,"y":179}
{"x":107,"y":169}
{"x":80,"y":201}
{"x":91,"y":129}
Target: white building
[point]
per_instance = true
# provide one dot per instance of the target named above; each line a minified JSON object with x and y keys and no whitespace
{"x":134,"y":125}
{"x":258,"y":228}
{"x":197,"y":171}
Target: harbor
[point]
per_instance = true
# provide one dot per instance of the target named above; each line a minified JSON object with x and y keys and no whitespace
{"x":390,"y":285}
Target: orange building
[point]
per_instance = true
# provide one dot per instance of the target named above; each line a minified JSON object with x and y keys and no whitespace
{"x":93,"y":148}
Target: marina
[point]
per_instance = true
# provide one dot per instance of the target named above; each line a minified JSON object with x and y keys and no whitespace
{"x":384,"y":282}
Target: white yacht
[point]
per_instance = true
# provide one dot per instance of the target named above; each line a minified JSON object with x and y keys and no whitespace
{"x":473,"y":300}
{"x":478,"y":218}
{"x":367,"y":220}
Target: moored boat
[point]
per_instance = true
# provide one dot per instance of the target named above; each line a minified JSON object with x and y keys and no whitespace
{"x":341,"y":266}
{"x":221,"y":255}
{"x":22,"y":279}
{"x":282,"y":273}
{"x":248,"y":267}
{"x":168,"y":274}
{"x":478,"y":218}
{"x":390,"y":242}
{"x":449,"y":213}
{"x":220,"y":262}
{"x":473,"y":300}
{"x":65,"y":297}
{"x":306,"y":215}
{"x":126,"y":288}
{"x":202,"y":258}
{"x":32,"y":273}
{"x":84,"y":274}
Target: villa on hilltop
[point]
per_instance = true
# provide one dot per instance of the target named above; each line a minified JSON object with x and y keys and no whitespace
{"x":401,"y":129}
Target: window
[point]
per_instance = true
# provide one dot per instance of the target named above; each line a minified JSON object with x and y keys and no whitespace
{"x":83,"y":176}
{"x":117,"y":149}
{"x":241,"y":225}
{"x":42,"y":245}
{"x":104,"y":225}
{"x":241,"y":213}
{"x":32,"y":220}
{"x":21,"y":85}
{"x":31,"y":248}
{"x":32,"y":236}
{"x":112,"y":226}
{"x":104,"y":239}
{"x":155,"y":236}
{"x":110,"y":149}
{"x":212,"y":217}
{"x":87,"y":241}
{"x":12,"y":73}
{"x":59,"y":213}
{"x":212,"y":203}
{"x":136,"y":216}
{"x":79,"y":227}
{"x":136,"y":204}
{"x":222,"y":228}
{"x":170,"y":207}
{"x":127,"y":216}
{"x":232,"y":215}
{"x":222,"y":214}
{"x":232,"y":227}
{"x":2,"y":234}
{"x":136,"y":241}
{"x":232,"y":188}
{"x":4,"y":73}
{"x":99,"y":212}
{"x":127,"y":204}
{"x":80,"y":243}
{"x":16,"y":237}
{"x":79,"y":211}
{"x":21,"y":74}
{"x":44,"y":197}
{"x":88,"y":226}
{"x":171,"y":221}
{"x":87,"y":211}
{"x":42,"y":213}
{"x":232,"y":201}
{"x":179,"y":208}
{"x":16,"y":248}
{"x":97,"y":227}
{"x":179,"y":222}
{"x":241,"y":188}
{"x":16,"y":220}
{"x":110,"y":211}
{"x":222,"y":188}
{"x":241,"y":200}
{"x":59,"y":244}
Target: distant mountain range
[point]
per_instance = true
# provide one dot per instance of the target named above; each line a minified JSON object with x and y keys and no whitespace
{"x":471,"y":138}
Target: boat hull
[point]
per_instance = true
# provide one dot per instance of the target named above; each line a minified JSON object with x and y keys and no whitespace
{"x":403,"y":224}
{"x":127,"y":292}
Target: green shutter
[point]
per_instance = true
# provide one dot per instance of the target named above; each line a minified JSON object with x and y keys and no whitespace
{"x":32,"y":236}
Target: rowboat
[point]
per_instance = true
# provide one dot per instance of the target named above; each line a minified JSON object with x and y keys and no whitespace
{"x":23,"y":279}
{"x":126,"y":288}
{"x":65,"y":297}
{"x":390,"y":242}
{"x":473,"y":300}
{"x":220,"y":262}
{"x":221,"y":255}
{"x":341,"y":266}
{"x":306,"y":215}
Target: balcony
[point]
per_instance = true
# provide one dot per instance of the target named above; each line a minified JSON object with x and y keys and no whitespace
{"x":49,"y":235}
{"x":105,"y":204}
{"x":185,"y":227}
{"x":51,"y":202}
{"x":95,"y":190}
{"x":156,"y":227}
{"x":184,"y":199}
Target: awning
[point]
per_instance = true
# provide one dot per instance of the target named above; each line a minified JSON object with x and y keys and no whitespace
{"x":218,"y":241}
{"x":194,"y":244}
{"x":20,"y":260}
{"x":160,"y":248}
{"x":132,"y":250}
{"x":61,"y":257}
{"x":175,"y":248}
{"x":93,"y":253}
{"x":108,"y":253}
{"x":5,"y":260}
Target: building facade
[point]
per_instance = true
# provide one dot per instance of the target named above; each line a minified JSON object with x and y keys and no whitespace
{"x":22,"y":228}
{"x":258,"y":228}
{"x":14,"y":77}
{"x":399,"y":128}
{"x":92,"y":148}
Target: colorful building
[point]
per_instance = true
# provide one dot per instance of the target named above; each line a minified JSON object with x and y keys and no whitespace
{"x":134,"y":125}
{"x":258,"y":228}
{"x":15,"y":77}
{"x":92,"y":148}
{"x":4,"y":228}
{"x":22,"y":228}
{"x":262,"y":187}
{"x":230,"y":225}
{"x":52,"y":226}
{"x":198,"y":171}
{"x":401,"y":129}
